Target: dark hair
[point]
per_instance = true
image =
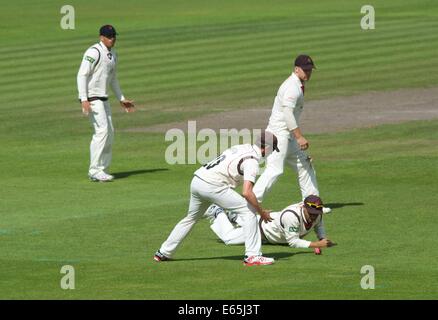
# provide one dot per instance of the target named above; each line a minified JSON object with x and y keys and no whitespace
{"x":267,"y":138}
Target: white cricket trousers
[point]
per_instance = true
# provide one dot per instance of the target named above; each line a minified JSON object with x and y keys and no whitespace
{"x":299,"y":161}
{"x":202,"y":195}
{"x":226,"y":231}
{"x":101,"y":143}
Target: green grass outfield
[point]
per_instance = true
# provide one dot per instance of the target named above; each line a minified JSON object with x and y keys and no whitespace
{"x":181,"y":59}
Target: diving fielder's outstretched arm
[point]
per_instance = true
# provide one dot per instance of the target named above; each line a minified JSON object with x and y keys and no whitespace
{"x":320,"y":230}
{"x":291,"y":229}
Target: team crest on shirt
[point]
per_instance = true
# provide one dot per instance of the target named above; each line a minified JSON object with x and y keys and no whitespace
{"x":89,"y":59}
{"x":109,"y":55}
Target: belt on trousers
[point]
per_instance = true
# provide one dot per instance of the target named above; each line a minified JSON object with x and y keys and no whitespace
{"x":261,"y":231}
{"x":96,"y":98}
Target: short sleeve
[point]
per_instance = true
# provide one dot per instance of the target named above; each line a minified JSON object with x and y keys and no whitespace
{"x":250,"y":168}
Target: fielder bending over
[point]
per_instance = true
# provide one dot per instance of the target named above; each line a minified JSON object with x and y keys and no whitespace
{"x":215,"y":183}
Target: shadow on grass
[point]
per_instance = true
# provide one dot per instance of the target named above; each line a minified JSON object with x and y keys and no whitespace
{"x":121,"y":175}
{"x":276,"y":255}
{"x":340,"y":205}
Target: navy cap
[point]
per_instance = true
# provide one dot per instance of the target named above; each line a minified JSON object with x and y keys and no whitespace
{"x":108,"y":31}
{"x":305,"y":62}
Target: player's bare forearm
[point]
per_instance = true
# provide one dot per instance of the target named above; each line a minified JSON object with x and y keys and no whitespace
{"x":296,"y":133}
{"x":302,"y":142}
{"x":249,"y":195}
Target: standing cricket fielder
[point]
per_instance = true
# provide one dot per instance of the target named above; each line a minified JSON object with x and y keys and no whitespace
{"x":215,"y":183}
{"x":96,"y":73}
{"x":284,"y":123}
{"x":288,"y":226}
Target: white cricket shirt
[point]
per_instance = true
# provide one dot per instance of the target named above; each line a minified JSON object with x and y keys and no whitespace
{"x":240,"y":162}
{"x":97,"y":72}
{"x":290,"y":95}
{"x":288,"y":228}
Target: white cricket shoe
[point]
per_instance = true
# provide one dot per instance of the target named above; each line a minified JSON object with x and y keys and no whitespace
{"x":102,"y":177}
{"x":111,"y":177}
{"x":257,"y":261}
{"x":326,"y":210}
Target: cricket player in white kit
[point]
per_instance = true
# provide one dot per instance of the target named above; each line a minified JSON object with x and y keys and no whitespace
{"x":96,"y":73}
{"x":284,"y":123}
{"x":288,"y":226}
{"x":215,"y":183}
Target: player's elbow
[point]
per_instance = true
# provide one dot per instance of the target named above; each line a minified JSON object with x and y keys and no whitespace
{"x":246,"y":194}
{"x":247,"y":189}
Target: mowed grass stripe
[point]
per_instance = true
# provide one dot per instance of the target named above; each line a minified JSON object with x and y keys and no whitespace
{"x":204,"y":51}
{"x":34,"y":77}
{"x":173,"y":67}
{"x":182,"y":32}
{"x":132,"y":47}
{"x":209,"y":71}
{"x":240,"y":90}
{"x":183,"y":35}
{"x":256,"y":56}
{"x":356,"y":81}
{"x":208,"y":78}
{"x":246,"y":66}
{"x":198,"y":46}
{"x":134,"y":38}
{"x":275,"y":42}
{"x":185,"y":66}
{"x":366,"y":79}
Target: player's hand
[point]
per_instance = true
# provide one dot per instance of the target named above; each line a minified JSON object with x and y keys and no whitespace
{"x":302,"y":142}
{"x":128,"y":105}
{"x":86,"y":107}
{"x":265,"y":215}
{"x":325,"y":243}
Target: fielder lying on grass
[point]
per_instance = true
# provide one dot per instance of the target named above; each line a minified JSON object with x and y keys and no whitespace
{"x":288,"y":226}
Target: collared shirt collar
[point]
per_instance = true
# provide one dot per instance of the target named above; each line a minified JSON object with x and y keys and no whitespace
{"x":297,"y":80}
{"x":104,"y":47}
